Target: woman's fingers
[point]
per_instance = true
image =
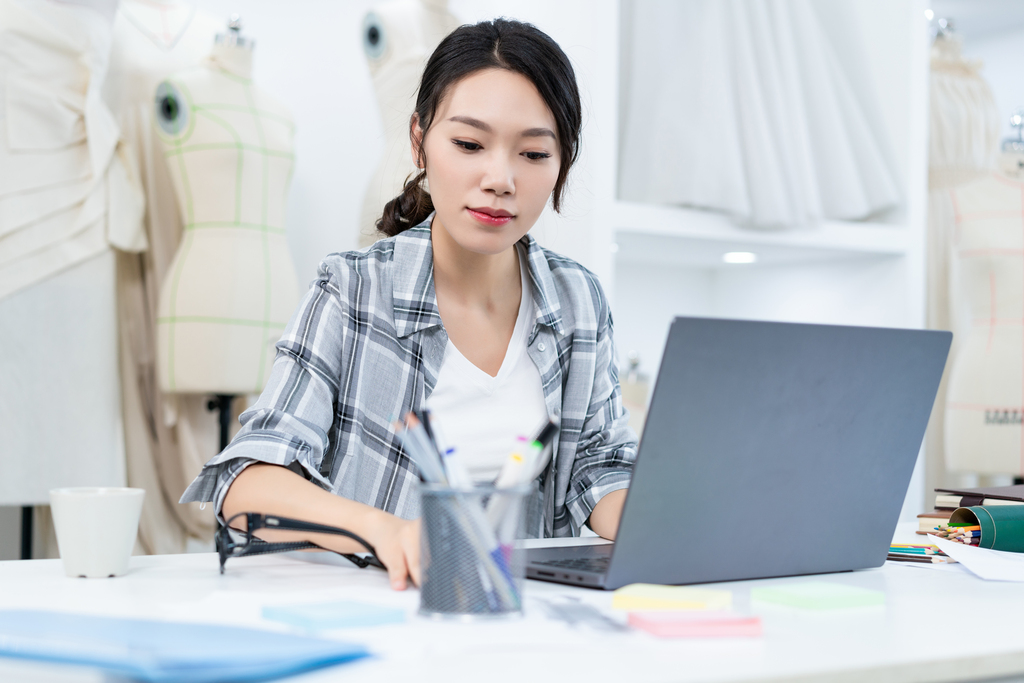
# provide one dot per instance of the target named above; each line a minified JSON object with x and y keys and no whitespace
{"x":398,"y":547}
{"x":397,"y":571}
{"x":412,"y":550}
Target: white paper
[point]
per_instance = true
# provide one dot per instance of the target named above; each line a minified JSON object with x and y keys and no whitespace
{"x":991,"y":565}
{"x":938,"y":566}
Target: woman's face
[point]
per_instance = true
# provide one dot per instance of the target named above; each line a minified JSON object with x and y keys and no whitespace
{"x":492,"y":160}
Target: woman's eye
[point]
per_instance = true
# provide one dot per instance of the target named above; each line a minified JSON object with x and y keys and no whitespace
{"x":466,"y":145}
{"x":536,"y":156}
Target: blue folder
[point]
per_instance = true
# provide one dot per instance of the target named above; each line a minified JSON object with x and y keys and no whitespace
{"x":166,"y":652}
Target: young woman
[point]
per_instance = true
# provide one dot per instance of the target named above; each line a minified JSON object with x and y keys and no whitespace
{"x":460,"y":311}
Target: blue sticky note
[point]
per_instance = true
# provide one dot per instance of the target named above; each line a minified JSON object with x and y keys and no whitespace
{"x":165,"y":652}
{"x":327,"y":615}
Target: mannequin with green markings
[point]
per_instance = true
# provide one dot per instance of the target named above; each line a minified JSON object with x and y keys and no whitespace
{"x":231,"y":287}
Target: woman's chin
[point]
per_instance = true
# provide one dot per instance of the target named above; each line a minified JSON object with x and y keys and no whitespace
{"x":486,"y":242}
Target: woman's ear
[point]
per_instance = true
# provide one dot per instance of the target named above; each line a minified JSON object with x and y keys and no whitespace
{"x":416,"y":137}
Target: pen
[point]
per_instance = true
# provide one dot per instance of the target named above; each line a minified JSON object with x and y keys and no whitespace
{"x":541,"y":442}
{"x":420,"y":450}
{"x":458,"y":475}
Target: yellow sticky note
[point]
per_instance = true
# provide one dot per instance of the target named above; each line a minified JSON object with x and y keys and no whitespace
{"x":650,"y":597}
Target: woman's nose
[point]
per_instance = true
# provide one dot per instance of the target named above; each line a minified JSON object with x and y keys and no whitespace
{"x":498,"y":176}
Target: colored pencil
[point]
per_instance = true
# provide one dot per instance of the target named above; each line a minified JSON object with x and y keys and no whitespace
{"x":921,"y":560}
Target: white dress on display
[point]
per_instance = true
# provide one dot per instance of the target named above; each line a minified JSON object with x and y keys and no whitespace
{"x":232,"y":285}
{"x":963,"y":138}
{"x":753,"y":108}
{"x":67,"y":196}
{"x":167,"y":439}
{"x":398,"y":38}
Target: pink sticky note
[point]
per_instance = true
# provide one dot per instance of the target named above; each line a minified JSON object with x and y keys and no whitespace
{"x":696,"y":624}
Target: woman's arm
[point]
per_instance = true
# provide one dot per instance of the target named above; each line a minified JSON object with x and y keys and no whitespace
{"x":606,"y":447}
{"x":604,"y":520}
{"x":289,"y":429}
{"x":276,"y":490}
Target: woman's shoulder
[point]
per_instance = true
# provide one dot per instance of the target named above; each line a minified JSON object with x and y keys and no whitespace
{"x":567,"y":284}
{"x":376,"y":262}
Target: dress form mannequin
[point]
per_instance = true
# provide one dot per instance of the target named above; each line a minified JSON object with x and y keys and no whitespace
{"x":232,"y":286}
{"x":167,"y":437}
{"x":398,"y":38}
{"x":963,"y":143}
{"x":985,"y":404}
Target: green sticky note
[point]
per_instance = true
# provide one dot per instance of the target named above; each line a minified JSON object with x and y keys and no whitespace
{"x":818,"y":595}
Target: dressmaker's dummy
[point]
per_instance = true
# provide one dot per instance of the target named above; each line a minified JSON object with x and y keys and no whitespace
{"x":167,"y":438}
{"x":398,"y":38}
{"x":963,"y":143}
{"x":67,"y":199}
{"x":231,"y":287}
{"x":985,"y":400}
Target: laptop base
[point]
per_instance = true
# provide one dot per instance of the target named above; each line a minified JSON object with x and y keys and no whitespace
{"x":583,"y":565}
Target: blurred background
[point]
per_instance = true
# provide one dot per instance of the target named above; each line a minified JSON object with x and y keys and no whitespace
{"x":832,"y":161}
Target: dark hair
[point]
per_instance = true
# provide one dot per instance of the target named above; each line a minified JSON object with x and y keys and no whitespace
{"x":500,"y":44}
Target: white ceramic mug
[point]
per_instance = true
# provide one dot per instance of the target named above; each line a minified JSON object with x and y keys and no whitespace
{"x":96,"y":528}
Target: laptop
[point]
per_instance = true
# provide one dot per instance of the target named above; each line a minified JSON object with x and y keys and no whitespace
{"x":770,"y":449}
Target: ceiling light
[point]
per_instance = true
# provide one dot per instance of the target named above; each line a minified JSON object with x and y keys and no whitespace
{"x":740,"y":257}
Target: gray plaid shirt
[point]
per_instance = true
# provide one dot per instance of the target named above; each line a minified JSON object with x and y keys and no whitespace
{"x":366,"y":345}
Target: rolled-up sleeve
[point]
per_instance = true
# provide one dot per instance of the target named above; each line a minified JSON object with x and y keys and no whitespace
{"x":290,"y":423}
{"x":606,"y":450}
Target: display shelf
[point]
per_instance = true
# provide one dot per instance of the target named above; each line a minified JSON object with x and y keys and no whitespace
{"x":696,"y":238}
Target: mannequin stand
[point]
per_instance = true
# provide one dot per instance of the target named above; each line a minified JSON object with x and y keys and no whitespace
{"x":222,"y":403}
{"x":26,"y":532}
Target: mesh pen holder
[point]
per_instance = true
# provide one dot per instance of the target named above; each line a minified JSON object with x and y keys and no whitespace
{"x":471,"y":565}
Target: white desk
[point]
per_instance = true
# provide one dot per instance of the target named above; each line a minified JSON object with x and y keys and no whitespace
{"x":899,"y":642}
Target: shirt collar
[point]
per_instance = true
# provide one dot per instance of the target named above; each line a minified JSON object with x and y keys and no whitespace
{"x":415,"y":301}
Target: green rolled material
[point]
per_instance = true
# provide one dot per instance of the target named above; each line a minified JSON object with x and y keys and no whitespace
{"x":1002,"y":526}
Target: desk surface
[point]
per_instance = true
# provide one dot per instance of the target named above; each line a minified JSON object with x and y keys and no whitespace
{"x":901,"y":641}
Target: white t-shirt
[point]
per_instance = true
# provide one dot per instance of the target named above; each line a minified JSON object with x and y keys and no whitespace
{"x":482,"y":416}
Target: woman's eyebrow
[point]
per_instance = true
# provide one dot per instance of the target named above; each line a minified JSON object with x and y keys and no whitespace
{"x":528,"y":133}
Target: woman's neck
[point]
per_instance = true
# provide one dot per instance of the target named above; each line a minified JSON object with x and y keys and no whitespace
{"x":488,"y":281}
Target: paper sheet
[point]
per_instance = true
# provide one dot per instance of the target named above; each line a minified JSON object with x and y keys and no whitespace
{"x":940,"y":567}
{"x":991,"y":565}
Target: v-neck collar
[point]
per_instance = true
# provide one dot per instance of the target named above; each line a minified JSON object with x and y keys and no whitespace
{"x":415,"y":300}
{"x":515,"y":343}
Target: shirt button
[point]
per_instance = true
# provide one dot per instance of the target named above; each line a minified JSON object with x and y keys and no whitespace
{"x":541,"y":346}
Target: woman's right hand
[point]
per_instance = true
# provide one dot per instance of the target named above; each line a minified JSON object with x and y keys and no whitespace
{"x":397,"y":542}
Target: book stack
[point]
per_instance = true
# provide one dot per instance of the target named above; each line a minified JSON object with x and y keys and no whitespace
{"x":948,"y":500}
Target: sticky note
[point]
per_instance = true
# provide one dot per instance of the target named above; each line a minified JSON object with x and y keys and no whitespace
{"x":696,"y":624}
{"x":818,"y":595}
{"x":647,"y":597}
{"x":327,"y":615}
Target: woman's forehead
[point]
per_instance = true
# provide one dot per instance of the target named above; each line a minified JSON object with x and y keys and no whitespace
{"x":498,"y":98}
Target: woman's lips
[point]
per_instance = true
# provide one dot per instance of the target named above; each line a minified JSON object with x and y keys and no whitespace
{"x":488,"y":219}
